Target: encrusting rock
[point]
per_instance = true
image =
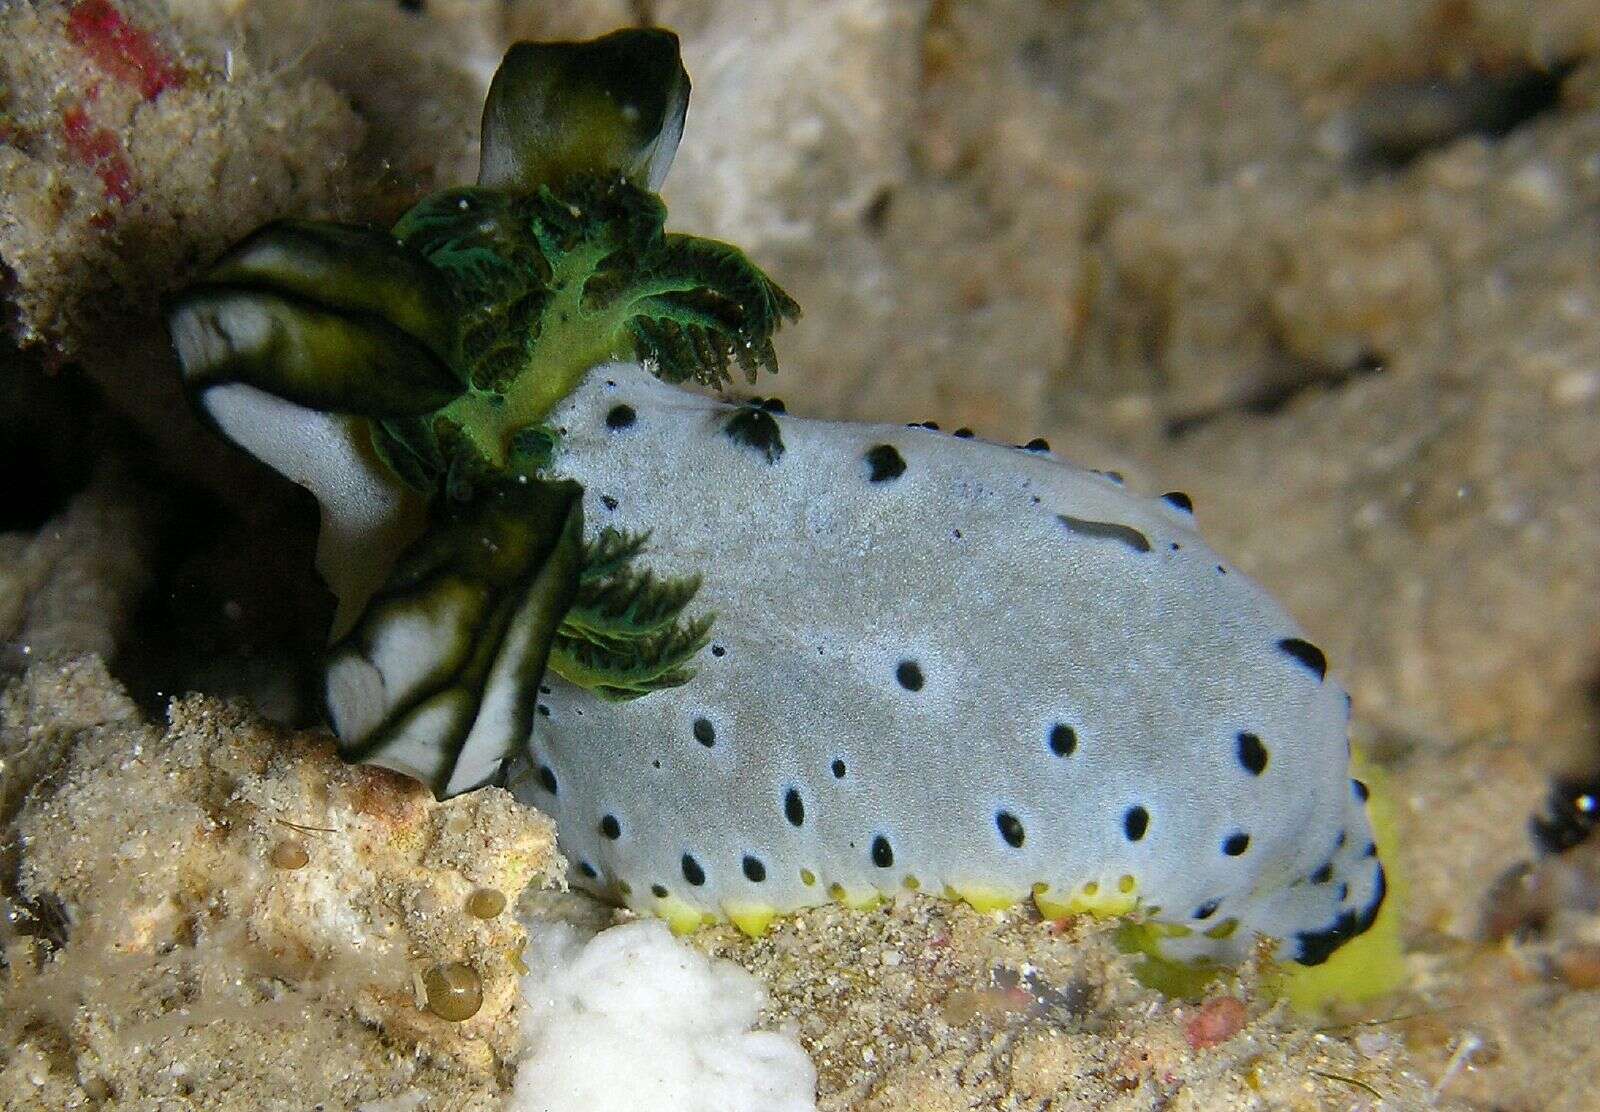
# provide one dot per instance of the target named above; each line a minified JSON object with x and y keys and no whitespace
{"x":222,"y":909}
{"x":71,"y":587}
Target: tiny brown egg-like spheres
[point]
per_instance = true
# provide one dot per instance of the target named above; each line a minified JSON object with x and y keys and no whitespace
{"x":289,"y":855}
{"x":454,"y":991}
{"x":486,"y":903}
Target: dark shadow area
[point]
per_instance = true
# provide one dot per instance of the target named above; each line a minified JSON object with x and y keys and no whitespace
{"x":48,"y":428}
{"x":1273,"y":396}
{"x":236,"y":608}
{"x":234,"y":605}
{"x":1572,"y":809}
{"x":1396,"y":122}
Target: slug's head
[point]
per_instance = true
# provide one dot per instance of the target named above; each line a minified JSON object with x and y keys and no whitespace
{"x":453,"y":334}
{"x":404,"y":377}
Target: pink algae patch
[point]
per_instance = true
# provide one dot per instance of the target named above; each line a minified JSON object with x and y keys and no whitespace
{"x":122,"y":50}
{"x":101,"y":150}
{"x":1216,"y":1021}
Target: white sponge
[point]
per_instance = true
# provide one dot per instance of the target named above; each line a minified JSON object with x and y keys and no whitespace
{"x":635,"y":1019}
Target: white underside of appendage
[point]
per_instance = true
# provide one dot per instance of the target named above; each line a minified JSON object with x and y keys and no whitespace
{"x":368,"y":515}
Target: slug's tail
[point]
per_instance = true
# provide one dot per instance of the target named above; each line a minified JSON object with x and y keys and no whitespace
{"x":1339,"y":900}
{"x":1312,"y":915}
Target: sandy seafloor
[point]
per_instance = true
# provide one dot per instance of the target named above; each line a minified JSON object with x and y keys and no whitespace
{"x":1332,"y":267}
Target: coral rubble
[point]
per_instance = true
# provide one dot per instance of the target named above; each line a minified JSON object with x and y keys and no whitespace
{"x":216,"y":907}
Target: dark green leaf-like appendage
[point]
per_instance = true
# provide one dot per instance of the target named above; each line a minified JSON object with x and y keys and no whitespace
{"x":624,"y":635}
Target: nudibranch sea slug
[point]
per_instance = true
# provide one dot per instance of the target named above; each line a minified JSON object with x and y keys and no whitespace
{"x":752,"y":662}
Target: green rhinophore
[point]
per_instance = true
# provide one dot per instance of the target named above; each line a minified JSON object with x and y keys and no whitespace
{"x":325,"y":316}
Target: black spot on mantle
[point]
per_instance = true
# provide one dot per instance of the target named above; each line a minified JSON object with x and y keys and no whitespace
{"x":1306,"y":653}
{"x":885,"y":463}
{"x":1135,"y":821}
{"x":1106,"y":530}
{"x":882,"y":852}
{"x":1252,"y":754}
{"x":1063,"y":739}
{"x":692,"y":872}
{"x":1010,"y":828}
{"x":757,"y":429}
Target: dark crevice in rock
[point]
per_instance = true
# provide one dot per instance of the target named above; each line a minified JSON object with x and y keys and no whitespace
{"x":1275,"y":395}
{"x":48,"y":430}
{"x":42,"y":916}
{"x":876,"y":214}
{"x":1571,"y":812}
{"x":1397,"y":121}
{"x":228,"y":614}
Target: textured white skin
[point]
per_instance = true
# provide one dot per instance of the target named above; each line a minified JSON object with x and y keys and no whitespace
{"x":823,"y":582}
{"x":634,"y":1019}
{"x":368,"y":515}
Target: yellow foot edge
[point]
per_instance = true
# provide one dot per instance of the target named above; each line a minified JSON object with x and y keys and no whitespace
{"x":753,"y":919}
{"x":1101,"y":901}
{"x":982,"y":899}
{"x":680,"y":916}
